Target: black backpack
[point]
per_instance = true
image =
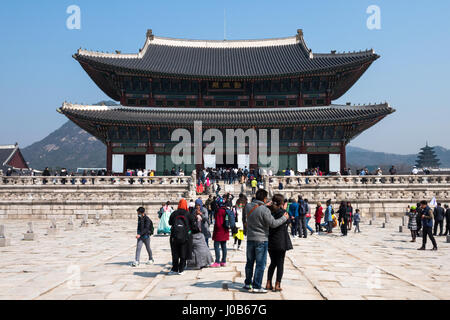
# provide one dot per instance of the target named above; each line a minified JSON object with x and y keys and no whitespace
{"x":180,"y":230}
{"x":152,"y":229}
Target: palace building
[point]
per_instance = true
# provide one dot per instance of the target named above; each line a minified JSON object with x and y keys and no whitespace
{"x":231,"y":84}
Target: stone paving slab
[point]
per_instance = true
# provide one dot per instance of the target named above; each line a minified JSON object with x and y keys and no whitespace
{"x":94,"y":263}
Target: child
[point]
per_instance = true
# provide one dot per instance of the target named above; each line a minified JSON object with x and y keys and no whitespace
{"x":412,"y":222}
{"x":318,"y":216}
{"x":144,"y":231}
{"x":356,"y":220}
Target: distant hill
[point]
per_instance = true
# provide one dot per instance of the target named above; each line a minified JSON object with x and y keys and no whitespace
{"x":72,"y":147}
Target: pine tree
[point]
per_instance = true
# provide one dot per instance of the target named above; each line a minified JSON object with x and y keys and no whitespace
{"x":427,"y":158}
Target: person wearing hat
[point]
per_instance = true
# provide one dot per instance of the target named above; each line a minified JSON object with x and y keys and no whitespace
{"x":144,"y":231}
{"x":412,"y":222}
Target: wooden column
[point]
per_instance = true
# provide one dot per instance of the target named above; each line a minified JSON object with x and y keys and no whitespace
{"x":343,"y":156}
{"x":200,"y":100}
{"x":109,"y":158}
{"x":151,"y":101}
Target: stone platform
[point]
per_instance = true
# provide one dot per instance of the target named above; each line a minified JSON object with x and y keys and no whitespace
{"x":94,"y":263}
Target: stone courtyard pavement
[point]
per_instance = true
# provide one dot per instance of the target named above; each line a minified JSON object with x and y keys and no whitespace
{"x":94,"y":263}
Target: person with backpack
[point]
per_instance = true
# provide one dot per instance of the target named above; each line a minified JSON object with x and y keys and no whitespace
{"x":302,"y":211}
{"x":182,"y":223}
{"x":224,"y":221}
{"x":144,"y":231}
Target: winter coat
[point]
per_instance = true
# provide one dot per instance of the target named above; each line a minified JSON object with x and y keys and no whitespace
{"x":412,"y":222}
{"x":259,"y":221}
{"x":319,"y":214}
{"x":144,"y":226}
{"x":220,"y":233}
{"x":279,"y":238}
{"x":439,"y":214}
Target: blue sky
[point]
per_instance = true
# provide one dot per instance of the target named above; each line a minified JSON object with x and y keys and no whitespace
{"x":38,"y":73}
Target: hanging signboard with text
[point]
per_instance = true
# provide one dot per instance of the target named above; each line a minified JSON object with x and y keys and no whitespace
{"x":117,"y":163}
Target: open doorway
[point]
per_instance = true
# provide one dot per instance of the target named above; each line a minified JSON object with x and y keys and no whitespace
{"x":134,"y":162}
{"x":321,"y":161}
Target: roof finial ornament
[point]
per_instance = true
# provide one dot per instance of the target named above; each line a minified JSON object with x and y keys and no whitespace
{"x":150,"y":34}
{"x":299,"y":34}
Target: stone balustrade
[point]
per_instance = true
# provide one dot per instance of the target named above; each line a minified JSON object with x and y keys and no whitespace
{"x":92,"y":180}
{"x":373,"y":195}
{"x":361,"y":180}
{"x":119,"y":196}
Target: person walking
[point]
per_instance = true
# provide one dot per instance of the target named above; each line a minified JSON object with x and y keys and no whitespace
{"x":164,"y":226}
{"x":293,"y":216}
{"x":144,"y":231}
{"x":254,"y":184}
{"x":223,"y":222}
{"x":182,"y":222}
{"x":259,"y":221}
{"x":239,"y":230}
{"x":357,"y":220}
{"x":427,"y":225}
{"x":308,"y":216}
{"x":412,"y":222}
{"x":318,"y":217}
{"x":329,"y":217}
{"x":439,"y":214}
{"x":349,"y":215}
{"x":447,"y":220}
{"x":302,"y":210}
{"x":279,"y":243}
{"x":343,"y":218}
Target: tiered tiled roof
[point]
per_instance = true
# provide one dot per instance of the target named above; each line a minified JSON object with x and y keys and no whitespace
{"x":226,"y":117}
{"x":237,"y":59}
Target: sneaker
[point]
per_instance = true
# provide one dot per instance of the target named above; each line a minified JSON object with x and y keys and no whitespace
{"x":434,"y":249}
{"x":151,"y":261}
{"x":215,"y":265}
{"x":261,"y":290}
{"x":239,"y":249}
{"x":248,"y":287}
{"x":181,"y":273}
{"x":135,"y":264}
{"x":223,"y":264}
{"x":234,"y":247}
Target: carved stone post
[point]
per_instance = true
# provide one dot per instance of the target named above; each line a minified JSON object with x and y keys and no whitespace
{"x":4,"y":242}
{"x":30,"y":235}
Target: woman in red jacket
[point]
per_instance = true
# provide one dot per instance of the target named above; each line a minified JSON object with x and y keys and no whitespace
{"x":318,"y":216}
{"x":220,"y":235}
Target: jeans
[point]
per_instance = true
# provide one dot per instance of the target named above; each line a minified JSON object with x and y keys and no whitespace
{"x":302,"y":226}
{"x":307,"y":225}
{"x":357,"y":226}
{"x":140,"y":243}
{"x":256,"y":252}
{"x":217,"y":245}
{"x":294,"y":226}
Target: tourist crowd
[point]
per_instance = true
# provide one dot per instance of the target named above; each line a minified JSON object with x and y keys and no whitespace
{"x":268,"y":225}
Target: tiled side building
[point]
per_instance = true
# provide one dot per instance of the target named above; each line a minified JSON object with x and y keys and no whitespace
{"x":270,"y":83}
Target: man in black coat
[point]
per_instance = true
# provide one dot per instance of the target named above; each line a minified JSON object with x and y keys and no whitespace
{"x":439,"y":214}
{"x":447,"y":220}
{"x":144,"y":231}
